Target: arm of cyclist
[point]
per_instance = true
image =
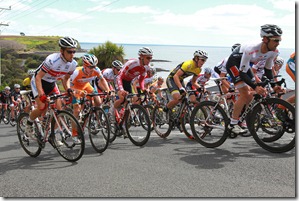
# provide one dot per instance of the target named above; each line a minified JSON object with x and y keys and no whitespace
{"x":177,"y":81}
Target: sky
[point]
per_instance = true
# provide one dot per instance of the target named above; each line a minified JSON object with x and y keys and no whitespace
{"x":170,"y":22}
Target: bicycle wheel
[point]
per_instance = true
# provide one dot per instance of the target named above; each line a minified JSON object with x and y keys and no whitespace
{"x":99,"y":130}
{"x":280,"y":135}
{"x":209,"y":124}
{"x":185,"y":122}
{"x":29,"y":144}
{"x":161,"y":123}
{"x":138,"y":125}
{"x":68,"y":123}
{"x":150,"y":110}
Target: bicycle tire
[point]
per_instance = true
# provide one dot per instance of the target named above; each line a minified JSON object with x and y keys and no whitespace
{"x":150,"y":109}
{"x":138,"y":125}
{"x":209,"y":124}
{"x":185,"y":122}
{"x":281,"y":141}
{"x":69,"y":150}
{"x":99,"y":130}
{"x":30,"y":145}
{"x":161,"y":124}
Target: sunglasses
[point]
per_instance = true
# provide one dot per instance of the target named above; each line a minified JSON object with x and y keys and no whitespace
{"x":275,"y":39}
{"x":203,"y":60}
{"x":149,"y":58}
{"x":17,"y":88}
{"x":91,"y":67}
{"x":71,"y":51}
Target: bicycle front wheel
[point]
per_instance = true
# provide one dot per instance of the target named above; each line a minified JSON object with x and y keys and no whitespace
{"x":67,"y":124}
{"x":272,"y":125}
{"x":209,"y":124}
{"x":138,"y":125}
{"x":29,"y":144}
{"x":99,"y":130}
{"x":161,"y":123}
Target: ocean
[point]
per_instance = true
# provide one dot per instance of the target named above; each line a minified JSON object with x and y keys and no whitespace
{"x":176,"y":54}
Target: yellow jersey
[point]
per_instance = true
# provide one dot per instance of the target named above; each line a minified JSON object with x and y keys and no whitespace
{"x":188,"y":67}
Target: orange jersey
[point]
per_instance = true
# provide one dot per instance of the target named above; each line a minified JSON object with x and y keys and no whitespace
{"x":79,"y":79}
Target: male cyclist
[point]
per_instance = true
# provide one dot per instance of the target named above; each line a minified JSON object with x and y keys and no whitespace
{"x":15,"y":100}
{"x":239,"y":68}
{"x":5,"y":99}
{"x":131,"y":69}
{"x":80,"y":80}
{"x":27,"y":80}
{"x":175,"y":80}
{"x":56,"y":66}
{"x":291,"y":70}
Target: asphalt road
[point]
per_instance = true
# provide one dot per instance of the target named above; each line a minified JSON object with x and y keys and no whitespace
{"x":175,"y":167}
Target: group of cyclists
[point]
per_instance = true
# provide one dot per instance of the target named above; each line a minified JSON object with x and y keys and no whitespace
{"x":244,"y":69}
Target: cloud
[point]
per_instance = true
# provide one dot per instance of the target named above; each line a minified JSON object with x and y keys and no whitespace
{"x":127,"y":9}
{"x":288,"y":5}
{"x":65,"y":15}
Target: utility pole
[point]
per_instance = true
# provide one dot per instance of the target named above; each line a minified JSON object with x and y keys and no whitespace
{"x":2,"y":24}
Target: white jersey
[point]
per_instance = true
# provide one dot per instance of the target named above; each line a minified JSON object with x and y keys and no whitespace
{"x":260,"y":68}
{"x":108,"y":74}
{"x":55,"y":67}
{"x":252,"y":54}
{"x":222,"y":65}
{"x":147,"y":80}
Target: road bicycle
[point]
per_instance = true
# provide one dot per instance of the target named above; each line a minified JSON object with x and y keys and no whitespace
{"x":56,"y":126}
{"x":96,"y":121}
{"x":209,"y":123}
{"x":131,"y":121}
{"x":179,"y":116}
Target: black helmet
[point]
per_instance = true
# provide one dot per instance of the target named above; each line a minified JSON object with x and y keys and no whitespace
{"x":235,"y":45}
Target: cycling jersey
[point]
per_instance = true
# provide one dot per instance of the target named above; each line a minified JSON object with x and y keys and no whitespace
{"x":79,"y":79}
{"x":130,"y":70}
{"x":259,"y":67}
{"x":55,"y":67}
{"x":110,"y":77}
{"x":147,"y":80}
{"x":241,"y":59}
{"x":26,"y":83}
{"x":188,"y":67}
{"x":291,"y":66}
{"x":221,"y":66}
{"x":5,"y":97}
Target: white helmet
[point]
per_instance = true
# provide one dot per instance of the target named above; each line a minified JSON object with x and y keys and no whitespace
{"x":31,"y":72}
{"x":145,"y":51}
{"x":7,"y":88}
{"x":68,"y":42}
{"x":279,"y":60}
{"x":90,"y":60}
{"x":117,"y":64}
{"x":269,"y":30}
{"x":200,"y":53}
{"x":235,"y":46}
{"x":208,"y":70}
{"x":17,"y":86}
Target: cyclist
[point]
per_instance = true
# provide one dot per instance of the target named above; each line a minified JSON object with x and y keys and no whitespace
{"x":175,"y":80}
{"x":110,"y":75}
{"x":43,"y":83}
{"x":220,"y":68}
{"x":291,"y":70}
{"x":155,"y":89}
{"x":27,"y":80}
{"x":5,"y":99}
{"x":149,"y":79}
{"x":131,"y":69}
{"x":15,"y":100}
{"x":201,"y":80}
{"x":80,"y":80}
{"x":239,"y":68}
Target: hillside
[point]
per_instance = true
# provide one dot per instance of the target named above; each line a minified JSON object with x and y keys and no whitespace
{"x":31,"y":44}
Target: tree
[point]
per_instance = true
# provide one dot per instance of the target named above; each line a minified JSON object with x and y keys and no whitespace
{"x":108,"y":52}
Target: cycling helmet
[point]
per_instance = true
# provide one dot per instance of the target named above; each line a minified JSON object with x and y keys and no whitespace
{"x":208,"y":70}
{"x":152,"y":71}
{"x":7,"y":88}
{"x":235,"y":45}
{"x":17,"y":86}
{"x":31,"y":72}
{"x":145,"y":51}
{"x":90,"y":60}
{"x":117,"y":64}
{"x":279,"y":61}
{"x":200,"y":53}
{"x":68,"y":42}
{"x":269,"y":30}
